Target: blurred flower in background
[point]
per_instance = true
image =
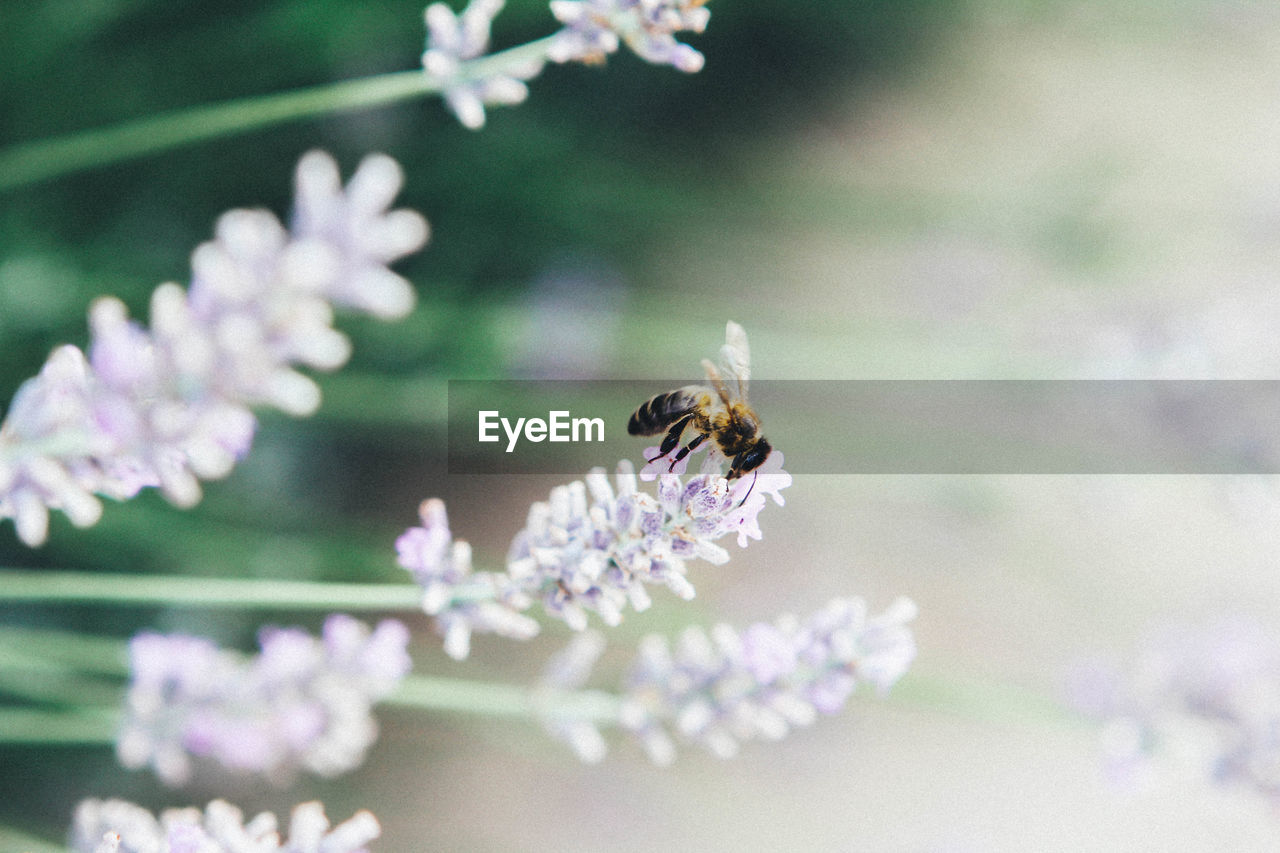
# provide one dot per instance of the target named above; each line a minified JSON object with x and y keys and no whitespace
{"x":720,"y":688}
{"x":1204,"y":698}
{"x":301,"y":704}
{"x":569,"y":323}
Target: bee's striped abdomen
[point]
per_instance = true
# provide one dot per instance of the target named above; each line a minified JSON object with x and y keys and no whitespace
{"x":660,"y":412}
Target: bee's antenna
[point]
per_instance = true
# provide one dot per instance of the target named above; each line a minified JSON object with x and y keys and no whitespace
{"x":749,"y":488}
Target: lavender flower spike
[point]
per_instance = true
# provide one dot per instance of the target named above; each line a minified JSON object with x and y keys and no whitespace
{"x":719,"y":689}
{"x":599,"y":556}
{"x":117,"y":826}
{"x":592,"y":547}
{"x":454,"y":39}
{"x":302,"y":703}
{"x":170,"y":405}
{"x":593,"y":29}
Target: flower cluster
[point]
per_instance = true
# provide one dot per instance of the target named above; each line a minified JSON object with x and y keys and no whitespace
{"x":1207,"y":696}
{"x":303,"y":703}
{"x":721,"y":688}
{"x":592,"y":547}
{"x":170,"y":405}
{"x":117,"y":826}
{"x":457,"y":57}
{"x":593,"y":28}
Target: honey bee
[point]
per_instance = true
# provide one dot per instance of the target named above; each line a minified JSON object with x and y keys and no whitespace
{"x":719,"y":412}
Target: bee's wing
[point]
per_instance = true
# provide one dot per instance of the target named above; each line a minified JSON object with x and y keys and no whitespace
{"x":717,"y":381}
{"x":735,"y":360}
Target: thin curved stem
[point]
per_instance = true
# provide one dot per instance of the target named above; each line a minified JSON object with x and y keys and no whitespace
{"x":29,"y":162}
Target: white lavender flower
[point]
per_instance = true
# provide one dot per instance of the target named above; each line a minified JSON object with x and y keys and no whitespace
{"x":302,"y":704}
{"x":721,"y":688}
{"x":452,"y":40}
{"x":118,"y":826}
{"x":593,"y":547}
{"x":593,"y":29}
{"x":169,"y":406}
{"x":1202,"y":698}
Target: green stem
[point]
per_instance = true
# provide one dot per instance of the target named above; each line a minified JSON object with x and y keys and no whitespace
{"x":16,"y":839}
{"x":502,"y":700}
{"x":56,"y":684}
{"x":420,"y":692}
{"x":34,"y":727}
{"x":29,"y":162}
{"x":71,"y":649}
{"x":67,"y":587}
{"x":985,"y":702}
{"x":988,"y":702}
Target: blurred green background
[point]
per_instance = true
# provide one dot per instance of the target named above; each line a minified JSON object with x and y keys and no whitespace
{"x":573,"y":199}
{"x":874,"y":189}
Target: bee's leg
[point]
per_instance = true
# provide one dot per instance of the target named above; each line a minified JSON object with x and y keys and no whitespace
{"x":687,"y":449}
{"x":735,"y":467}
{"x":672,"y":439}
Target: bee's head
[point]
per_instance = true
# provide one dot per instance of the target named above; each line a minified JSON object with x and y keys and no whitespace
{"x":751,"y":458}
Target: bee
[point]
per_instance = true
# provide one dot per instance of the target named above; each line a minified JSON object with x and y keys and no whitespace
{"x":719,"y":412}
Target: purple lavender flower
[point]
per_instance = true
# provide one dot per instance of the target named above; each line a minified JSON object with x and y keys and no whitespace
{"x":1206,"y":695}
{"x":303,"y":703}
{"x":170,"y":406}
{"x":593,"y":29}
{"x":117,"y":826}
{"x":593,"y":546}
{"x":454,"y":39}
{"x":720,"y":688}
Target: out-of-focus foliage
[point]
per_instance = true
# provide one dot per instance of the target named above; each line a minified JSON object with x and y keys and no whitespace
{"x":597,"y":160}
{"x":601,"y":163}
